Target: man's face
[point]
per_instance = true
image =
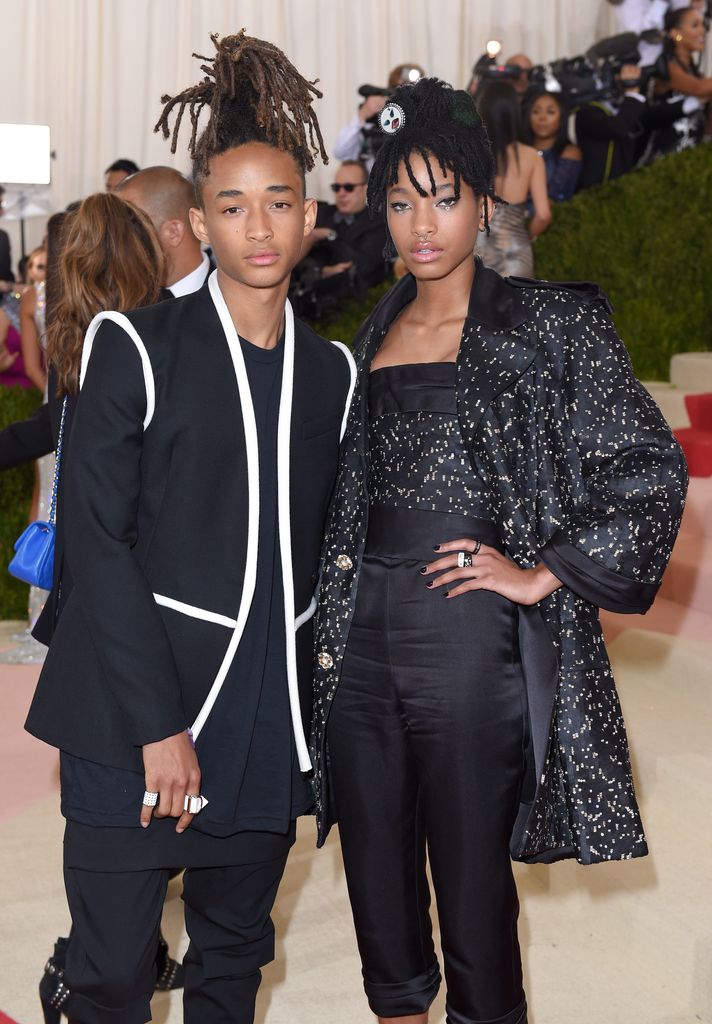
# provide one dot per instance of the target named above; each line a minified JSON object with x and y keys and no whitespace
{"x":353,"y":201}
{"x":434,"y":234}
{"x":521,"y":84}
{"x":112,"y":179}
{"x":254,"y":214}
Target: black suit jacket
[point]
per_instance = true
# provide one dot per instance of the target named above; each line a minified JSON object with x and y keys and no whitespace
{"x":6,"y":273}
{"x":609,"y":141}
{"x":361,"y":242}
{"x":159,"y":514}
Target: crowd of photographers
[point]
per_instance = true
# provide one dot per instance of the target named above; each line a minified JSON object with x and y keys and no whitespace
{"x":555,"y":129}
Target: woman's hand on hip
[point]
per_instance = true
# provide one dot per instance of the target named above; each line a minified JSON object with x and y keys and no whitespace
{"x":490,"y":570}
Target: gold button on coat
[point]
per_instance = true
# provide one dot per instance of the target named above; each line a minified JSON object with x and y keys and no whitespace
{"x":325,"y":660}
{"x":344,"y":562}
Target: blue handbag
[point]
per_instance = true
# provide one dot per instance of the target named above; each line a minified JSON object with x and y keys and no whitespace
{"x":34,"y":549}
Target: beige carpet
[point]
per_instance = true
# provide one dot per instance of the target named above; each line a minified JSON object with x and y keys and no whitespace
{"x":629,"y":943}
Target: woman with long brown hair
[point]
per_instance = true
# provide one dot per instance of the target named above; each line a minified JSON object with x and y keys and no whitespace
{"x":110,"y":258}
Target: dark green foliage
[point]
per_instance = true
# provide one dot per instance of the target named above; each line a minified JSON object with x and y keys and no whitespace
{"x":353,"y":314}
{"x":15,"y":496}
{"x":647,"y":240}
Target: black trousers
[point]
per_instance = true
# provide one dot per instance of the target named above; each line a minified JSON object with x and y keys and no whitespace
{"x":426,"y":739}
{"x":116,"y":915}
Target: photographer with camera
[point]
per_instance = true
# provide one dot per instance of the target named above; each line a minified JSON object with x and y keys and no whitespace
{"x":344,"y":254}
{"x":360,"y":137}
{"x":609,"y":131}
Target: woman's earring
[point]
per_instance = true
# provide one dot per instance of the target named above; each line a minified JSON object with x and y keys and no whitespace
{"x":678,"y":38}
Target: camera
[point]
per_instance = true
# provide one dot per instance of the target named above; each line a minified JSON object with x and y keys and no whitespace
{"x":581,"y":79}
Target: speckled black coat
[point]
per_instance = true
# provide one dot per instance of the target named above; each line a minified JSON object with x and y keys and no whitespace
{"x":587,"y":477}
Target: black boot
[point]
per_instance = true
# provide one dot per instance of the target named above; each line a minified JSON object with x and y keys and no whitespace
{"x":169,"y":972}
{"x":53,"y":991}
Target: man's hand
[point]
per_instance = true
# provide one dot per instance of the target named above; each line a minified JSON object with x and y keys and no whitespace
{"x":171,"y":770}
{"x":371,"y":106}
{"x":336,"y":268}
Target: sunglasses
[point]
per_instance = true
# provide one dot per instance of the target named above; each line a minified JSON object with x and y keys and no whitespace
{"x":347,"y":187}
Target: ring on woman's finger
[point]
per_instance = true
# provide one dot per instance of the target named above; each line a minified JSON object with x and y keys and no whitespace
{"x":150,"y":799}
{"x":478,"y":545}
{"x":464,"y":560}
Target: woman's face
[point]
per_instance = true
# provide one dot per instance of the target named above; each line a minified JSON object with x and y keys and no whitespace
{"x":434,"y":234}
{"x":37,"y":268}
{"x":692,"y":31}
{"x":545,"y":118}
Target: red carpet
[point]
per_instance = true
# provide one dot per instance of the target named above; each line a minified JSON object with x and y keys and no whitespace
{"x":4,"y":1019}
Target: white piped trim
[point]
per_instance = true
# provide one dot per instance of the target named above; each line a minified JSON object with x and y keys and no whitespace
{"x":123,"y":322}
{"x":284,"y":430}
{"x":352,"y":370}
{"x":307,"y":614}
{"x":253,"y":499}
{"x":195,"y":613}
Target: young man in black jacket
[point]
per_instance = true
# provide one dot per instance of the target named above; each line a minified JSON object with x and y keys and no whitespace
{"x":177,"y":686}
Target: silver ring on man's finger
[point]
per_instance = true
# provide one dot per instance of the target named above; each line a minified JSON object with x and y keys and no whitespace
{"x":150,"y":799}
{"x":464,"y":560}
{"x":194,"y":804}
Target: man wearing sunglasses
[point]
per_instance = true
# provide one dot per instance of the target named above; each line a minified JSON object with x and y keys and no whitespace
{"x":347,"y":243}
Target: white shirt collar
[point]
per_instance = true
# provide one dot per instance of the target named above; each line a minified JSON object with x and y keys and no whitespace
{"x":192,"y":281}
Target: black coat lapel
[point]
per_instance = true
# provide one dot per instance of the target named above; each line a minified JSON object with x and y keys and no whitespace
{"x":493,"y":353}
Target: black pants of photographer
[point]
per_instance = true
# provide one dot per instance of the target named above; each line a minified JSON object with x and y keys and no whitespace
{"x":116,"y":915}
{"x":426,"y":740}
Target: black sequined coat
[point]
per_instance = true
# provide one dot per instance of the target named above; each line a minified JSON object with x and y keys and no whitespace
{"x":586,"y":476}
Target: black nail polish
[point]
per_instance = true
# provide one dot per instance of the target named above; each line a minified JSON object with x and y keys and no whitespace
{"x":431,"y":584}
{"x":424,"y":570}
{"x":446,"y":594}
{"x":436,"y":547}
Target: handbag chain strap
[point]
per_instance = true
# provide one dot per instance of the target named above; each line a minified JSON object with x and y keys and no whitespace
{"x":57,"y":460}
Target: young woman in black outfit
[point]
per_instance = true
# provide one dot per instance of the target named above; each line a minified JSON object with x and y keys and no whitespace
{"x":502,"y":474}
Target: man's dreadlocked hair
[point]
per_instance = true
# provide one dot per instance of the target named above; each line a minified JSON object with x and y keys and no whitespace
{"x":441,"y":123}
{"x":251,"y":88}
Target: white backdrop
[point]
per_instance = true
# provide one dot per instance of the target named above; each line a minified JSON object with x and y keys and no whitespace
{"x":94,"y":70}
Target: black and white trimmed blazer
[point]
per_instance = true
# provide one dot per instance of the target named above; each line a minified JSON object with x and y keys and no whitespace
{"x":161,"y":519}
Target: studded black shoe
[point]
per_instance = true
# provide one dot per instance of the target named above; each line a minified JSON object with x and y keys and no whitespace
{"x":53,"y":990}
{"x":170,"y":972}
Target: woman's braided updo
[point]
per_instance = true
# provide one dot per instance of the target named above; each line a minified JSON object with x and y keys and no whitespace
{"x":441,"y":123}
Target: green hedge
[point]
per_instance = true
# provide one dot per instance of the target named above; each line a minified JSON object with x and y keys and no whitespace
{"x":15,"y":496}
{"x":647,"y":240}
